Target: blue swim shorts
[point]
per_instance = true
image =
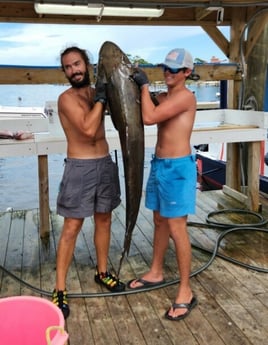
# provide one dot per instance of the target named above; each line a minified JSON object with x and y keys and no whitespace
{"x":88,"y":186}
{"x":171,"y":186}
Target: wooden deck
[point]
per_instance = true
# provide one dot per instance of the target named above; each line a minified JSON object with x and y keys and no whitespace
{"x":233,"y":300}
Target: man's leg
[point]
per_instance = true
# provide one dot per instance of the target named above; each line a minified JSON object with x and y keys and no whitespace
{"x":71,"y":228}
{"x":66,"y":245}
{"x":160,"y":245}
{"x":179,"y":234}
{"x":102,"y":236}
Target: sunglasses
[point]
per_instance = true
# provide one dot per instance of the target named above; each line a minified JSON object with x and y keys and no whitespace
{"x":173,"y":70}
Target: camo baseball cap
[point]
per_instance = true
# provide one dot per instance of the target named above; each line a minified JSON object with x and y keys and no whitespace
{"x":178,"y":58}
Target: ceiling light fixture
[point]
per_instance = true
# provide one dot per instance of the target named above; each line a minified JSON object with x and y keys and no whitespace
{"x":97,"y":10}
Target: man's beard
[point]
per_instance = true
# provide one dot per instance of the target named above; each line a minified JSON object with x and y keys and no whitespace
{"x":78,"y":84}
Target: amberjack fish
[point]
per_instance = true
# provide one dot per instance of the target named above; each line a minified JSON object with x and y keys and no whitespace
{"x":123,"y":97}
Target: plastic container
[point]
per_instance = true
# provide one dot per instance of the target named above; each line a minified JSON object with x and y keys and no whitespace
{"x":28,"y":320}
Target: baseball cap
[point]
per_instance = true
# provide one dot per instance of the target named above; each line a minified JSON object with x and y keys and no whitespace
{"x":178,"y":58}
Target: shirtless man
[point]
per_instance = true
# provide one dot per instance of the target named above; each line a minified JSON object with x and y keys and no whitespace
{"x":171,"y":187}
{"x":90,"y":183}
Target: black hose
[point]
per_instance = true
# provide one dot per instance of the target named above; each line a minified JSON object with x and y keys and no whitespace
{"x":261,"y":222}
{"x":229,"y":228}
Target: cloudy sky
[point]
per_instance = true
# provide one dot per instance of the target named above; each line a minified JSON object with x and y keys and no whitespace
{"x":40,"y":44}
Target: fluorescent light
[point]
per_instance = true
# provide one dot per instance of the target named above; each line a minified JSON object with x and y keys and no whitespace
{"x":97,"y":10}
{"x":213,"y":8}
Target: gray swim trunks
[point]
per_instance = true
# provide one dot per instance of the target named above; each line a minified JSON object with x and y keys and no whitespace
{"x":88,"y":186}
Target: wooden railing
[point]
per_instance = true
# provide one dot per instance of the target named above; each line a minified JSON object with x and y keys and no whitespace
{"x":54,"y":75}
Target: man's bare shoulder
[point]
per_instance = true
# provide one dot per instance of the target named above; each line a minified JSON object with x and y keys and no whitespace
{"x":65,"y":94}
{"x":184,"y":94}
{"x":66,"y":100}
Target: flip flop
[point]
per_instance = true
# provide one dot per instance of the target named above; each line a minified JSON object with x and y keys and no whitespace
{"x":188,"y":306}
{"x":145,"y":284}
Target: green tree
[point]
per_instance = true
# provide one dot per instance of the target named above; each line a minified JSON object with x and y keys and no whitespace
{"x":198,"y":60}
{"x":137,"y":59}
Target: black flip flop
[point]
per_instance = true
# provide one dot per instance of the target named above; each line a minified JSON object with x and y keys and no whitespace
{"x":188,"y":306}
{"x":145,"y":284}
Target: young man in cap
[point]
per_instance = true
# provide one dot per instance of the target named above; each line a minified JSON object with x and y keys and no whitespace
{"x":171,"y":187}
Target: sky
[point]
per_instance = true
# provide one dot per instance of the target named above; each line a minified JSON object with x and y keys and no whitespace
{"x":41,"y":44}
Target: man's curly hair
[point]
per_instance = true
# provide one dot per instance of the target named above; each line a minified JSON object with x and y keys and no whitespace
{"x":75,"y":49}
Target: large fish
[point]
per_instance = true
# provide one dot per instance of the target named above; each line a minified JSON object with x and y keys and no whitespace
{"x":124,"y":104}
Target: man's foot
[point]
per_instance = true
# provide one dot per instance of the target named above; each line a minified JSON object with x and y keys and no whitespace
{"x":143,"y":284}
{"x":107,"y":279}
{"x":187,"y":306}
{"x":59,"y":298}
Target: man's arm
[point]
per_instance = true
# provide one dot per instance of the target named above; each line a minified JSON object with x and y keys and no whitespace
{"x":168,"y":108}
{"x":85,"y":121}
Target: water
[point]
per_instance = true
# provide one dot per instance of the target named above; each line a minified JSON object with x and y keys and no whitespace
{"x":37,"y":95}
{"x":29,"y":95}
{"x":19,"y":175}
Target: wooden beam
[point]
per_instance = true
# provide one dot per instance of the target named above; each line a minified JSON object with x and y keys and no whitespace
{"x":201,"y":13}
{"x":176,"y":13}
{"x":256,"y":29}
{"x":216,"y":35}
{"x":238,"y":24}
{"x":233,"y":170}
{"x":54,"y":75}
{"x":32,"y":75}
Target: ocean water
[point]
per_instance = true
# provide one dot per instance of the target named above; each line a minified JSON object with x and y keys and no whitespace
{"x":19,"y":175}
{"x":37,"y":95}
{"x":29,"y":95}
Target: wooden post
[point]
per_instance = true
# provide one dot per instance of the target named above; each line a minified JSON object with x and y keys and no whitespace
{"x":233,"y":171}
{"x":254,"y":152}
{"x":43,"y":197}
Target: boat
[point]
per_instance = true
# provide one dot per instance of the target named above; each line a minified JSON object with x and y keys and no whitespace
{"x":211,"y":167}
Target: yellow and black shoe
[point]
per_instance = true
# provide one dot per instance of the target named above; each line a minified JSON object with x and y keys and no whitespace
{"x":59,"y":298}
{"x":110,"y":281}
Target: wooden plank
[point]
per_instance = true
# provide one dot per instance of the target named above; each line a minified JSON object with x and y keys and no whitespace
{"x":101,"y":328}
{"x":224,"y":126}
{"x":77,"y":323}
{"x":10,"y":148}
{"x":237,"y":302}
{"x":233,"y":177}
{"x":54,"y":75}
{"x":232,"y":305}
{"x":235,"y":194}
{"x":252,"y":193}
{"x":254,"y":157}
{"x":223,"y":200}
{"x":217,"y":327}
{"x":152,"y":327}
{"x":43,"y":196}
{"x":177,"y":332}
{"x":31,"y":255}
{"x":5,"y":225}
{"x":13,"y":259}
{"x":32,"y":75}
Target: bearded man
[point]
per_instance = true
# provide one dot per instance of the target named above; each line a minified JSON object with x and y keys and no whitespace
{"x":90,"y":182}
